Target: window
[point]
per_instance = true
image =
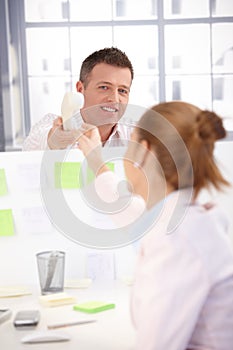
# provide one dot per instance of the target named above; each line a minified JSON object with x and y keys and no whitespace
{"x":180,"y":49}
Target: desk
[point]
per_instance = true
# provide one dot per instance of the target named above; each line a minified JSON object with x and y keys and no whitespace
{"x":112,"y":331}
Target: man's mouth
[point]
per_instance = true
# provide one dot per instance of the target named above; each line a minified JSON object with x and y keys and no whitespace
{"x":109,"y":109}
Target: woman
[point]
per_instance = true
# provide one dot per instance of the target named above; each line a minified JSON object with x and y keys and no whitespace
{"x":182,"y":297}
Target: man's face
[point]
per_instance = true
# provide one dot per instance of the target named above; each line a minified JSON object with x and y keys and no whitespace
{"x":107,"y":93}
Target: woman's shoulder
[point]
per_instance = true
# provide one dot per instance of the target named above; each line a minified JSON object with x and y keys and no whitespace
{"x":208,"y":214}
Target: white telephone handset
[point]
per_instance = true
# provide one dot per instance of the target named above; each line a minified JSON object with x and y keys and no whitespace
{"x":71,"y":104}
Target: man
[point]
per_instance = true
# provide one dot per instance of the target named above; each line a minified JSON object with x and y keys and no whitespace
{"x":105,"y":80}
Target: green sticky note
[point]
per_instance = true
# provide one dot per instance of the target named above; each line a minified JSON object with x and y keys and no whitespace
{"x":3,"y":185}
{"x":111,"y":166}
{"x":92,"y":307}
{"x":67,"y":174}
{"x":6,"y":223}
{"x":91,"y":176}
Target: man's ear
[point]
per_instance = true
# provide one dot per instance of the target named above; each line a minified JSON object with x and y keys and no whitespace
{"x":79,"y":86}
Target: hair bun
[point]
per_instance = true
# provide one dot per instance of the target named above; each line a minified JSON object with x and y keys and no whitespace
{"x":210,"y":126}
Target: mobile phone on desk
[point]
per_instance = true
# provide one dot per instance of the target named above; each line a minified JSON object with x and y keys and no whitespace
{"x":27,"y":318}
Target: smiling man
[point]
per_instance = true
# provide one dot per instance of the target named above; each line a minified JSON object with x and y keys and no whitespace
{"x":105,"y":80}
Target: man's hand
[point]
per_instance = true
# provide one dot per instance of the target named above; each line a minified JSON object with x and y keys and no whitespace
{"x":58,"y":138}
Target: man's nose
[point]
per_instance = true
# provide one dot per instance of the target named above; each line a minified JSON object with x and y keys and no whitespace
{"x":114,"y":96}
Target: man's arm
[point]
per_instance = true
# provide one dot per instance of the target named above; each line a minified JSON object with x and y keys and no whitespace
{"x":48,"y":133}
{"x":37,"y":138}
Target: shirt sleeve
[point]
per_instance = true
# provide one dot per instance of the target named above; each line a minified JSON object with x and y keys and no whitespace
{"x":127,"y":206}
{"x":37,"y":138}
{"x":170,"y":288}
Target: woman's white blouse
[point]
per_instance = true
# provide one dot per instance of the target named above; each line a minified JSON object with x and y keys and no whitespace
{"x":182,"y":297}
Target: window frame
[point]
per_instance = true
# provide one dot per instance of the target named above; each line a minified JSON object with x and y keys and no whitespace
{"x":13,"y":29}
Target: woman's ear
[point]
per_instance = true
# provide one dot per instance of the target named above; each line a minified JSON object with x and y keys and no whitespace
{"x":145,"y":144}
{"x":142,"y":152}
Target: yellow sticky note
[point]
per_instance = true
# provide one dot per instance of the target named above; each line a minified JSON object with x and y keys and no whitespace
{"x":14,"y":291}
{"x":67,"y":175}
{"x":57,"y":299}
{"x":6,"y":223}
{"x":91,"y":176}
{"x":3,"y":184}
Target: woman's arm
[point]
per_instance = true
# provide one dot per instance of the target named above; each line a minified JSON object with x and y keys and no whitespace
{"x":120,"y":205}
{"x":89,"y":142}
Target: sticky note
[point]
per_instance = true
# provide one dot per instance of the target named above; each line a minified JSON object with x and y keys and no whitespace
{"x":14,"y":291}
{"x":67,"y":174}
{"x":91,"y":176}
{"x":3,"y":184}
{"x":92,"y":307}
{"x":6,"y":223}
{"x":101,"y":265}
{"x":35,"y":220}
{"x":29,"y":176}
{"x":57,"y":299}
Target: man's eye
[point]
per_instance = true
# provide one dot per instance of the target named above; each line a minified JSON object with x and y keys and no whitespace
{"x":103,"y":87}
{"x":123,"y":91}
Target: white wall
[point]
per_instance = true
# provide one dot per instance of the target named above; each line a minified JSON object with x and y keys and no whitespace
{"x":17,"y":252}
{"x":33,"y":231}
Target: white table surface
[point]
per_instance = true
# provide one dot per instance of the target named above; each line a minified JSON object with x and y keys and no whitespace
{"x":112,"y":331}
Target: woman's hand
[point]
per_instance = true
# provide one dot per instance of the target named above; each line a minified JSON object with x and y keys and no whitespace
{"x":89,"y":139}
{"x":89,"y":142}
